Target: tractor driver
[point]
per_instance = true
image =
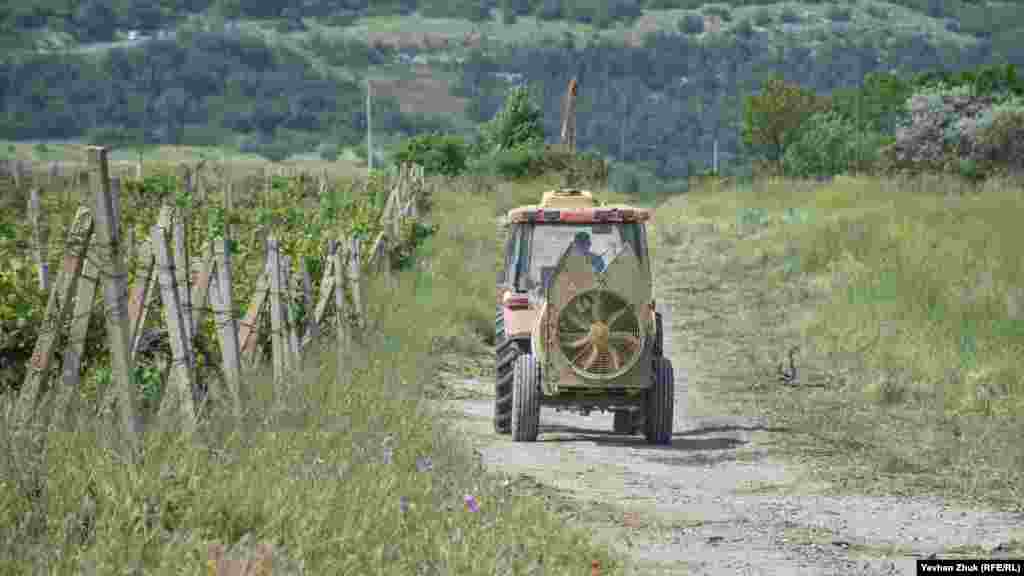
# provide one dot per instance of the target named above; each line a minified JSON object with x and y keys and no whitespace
{"x":581,"y":243}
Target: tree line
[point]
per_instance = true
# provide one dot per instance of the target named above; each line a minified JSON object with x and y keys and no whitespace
{"x":660,"y":107}
{"x":198,"y":88}
{"x":99,"y":20}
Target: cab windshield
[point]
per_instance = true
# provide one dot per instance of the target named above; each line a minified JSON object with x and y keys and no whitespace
{"x":545,"y":243}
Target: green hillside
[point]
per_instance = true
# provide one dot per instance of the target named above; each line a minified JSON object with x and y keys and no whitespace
{"x":662,"y":82}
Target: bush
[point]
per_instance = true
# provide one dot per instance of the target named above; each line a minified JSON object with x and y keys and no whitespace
{"x":587,"y":168}
{"x":1000,"y":145}
{"x":531,"y":162}
{"x":826,"y":146}
{"x":438,"y":153}
{"x":512,"y":164}
{"x":829,"y":143}
{"x":691,"y":24}
{"x":947,"y":125}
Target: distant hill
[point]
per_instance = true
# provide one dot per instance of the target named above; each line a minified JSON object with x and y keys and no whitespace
{"x":661,"y":80}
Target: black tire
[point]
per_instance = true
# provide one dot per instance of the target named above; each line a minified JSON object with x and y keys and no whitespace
{"x":659,"y":335}
{"x":505,"y":358}
{"x":623,"y":422}
{"x":660,"y":403}
{"x":525,"y":399}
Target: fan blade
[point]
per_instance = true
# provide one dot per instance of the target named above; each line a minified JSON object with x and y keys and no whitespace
{"x":616,"y":315}
{"x":576,"y":360}
{"x":616,"y":358}
{"x":626,"y":337}
{"x":580,"y":342}
{"x":596,"y":309}
{"x":576,"y":321}
{"x":594,"y":355}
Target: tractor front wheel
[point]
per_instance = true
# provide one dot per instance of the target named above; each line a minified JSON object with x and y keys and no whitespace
{"x":660,"y":403}
{"x":525,"y":399}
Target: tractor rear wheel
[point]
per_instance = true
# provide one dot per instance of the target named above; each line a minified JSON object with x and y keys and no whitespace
{"x":505,"y":359}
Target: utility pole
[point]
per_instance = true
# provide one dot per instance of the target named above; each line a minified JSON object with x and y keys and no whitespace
{"x":369,"y":128}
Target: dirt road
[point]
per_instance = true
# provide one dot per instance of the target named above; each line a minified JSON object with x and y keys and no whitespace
{"x":720,"y":500}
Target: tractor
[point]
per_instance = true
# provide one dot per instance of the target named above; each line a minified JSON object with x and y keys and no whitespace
{"x":576,"y":326}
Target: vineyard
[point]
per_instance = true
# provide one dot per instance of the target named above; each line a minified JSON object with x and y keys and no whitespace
{"x":280,"y":242}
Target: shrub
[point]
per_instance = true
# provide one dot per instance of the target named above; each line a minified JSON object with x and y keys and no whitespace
{"x":691,"y":24}
{"x":1000,"y":144}
{"x":947,"y":125}
{"x":826,"y":146}
{"x":587,"y":168}
{"x":438,"y":153}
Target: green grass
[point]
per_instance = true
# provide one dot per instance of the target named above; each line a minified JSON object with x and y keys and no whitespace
{"x":308,"y":469}
{"x":905,"y":301}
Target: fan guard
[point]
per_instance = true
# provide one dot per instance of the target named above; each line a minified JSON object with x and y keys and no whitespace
{"x":599,"y":334}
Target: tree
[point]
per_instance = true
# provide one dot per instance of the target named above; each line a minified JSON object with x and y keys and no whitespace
{"x":519,"y":124}
{"x":771,"y":119}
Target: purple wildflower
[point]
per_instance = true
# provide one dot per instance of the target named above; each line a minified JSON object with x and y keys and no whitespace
{"x":471,"y":503}
{"x":424,"y":464}
{"x":403,"y":504}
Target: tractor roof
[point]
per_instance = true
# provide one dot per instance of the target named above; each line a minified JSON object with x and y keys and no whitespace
{"x":572,"y":205}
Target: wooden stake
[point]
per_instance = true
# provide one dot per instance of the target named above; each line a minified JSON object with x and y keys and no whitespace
{"x":201,"y":289}
{"x":181,"y":258}
{"x":114,"y":292}
{"x":82,"y":315}
{"x":248,"y":331}
{"x":227,"y":326}
{"x":341,"y":313}
{"x":180,"y":398}
{"x":289,"y":314}
{"x":138,"y":305}
{"x":57,"y":309}
{"x":355,"y":280}
{"x":311,"y":331}
{"x":40,"y":234}
{"x":328,"y":284}
{"x":278,"y":336}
